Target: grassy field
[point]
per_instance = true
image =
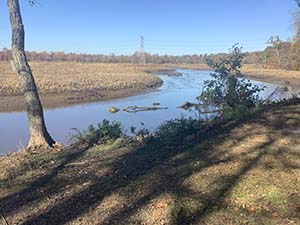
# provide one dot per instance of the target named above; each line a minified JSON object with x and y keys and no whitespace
{"x":238,"y":173}
{"x":255,"y":72}
{"x":68,"y":77}
{"x":64,"y":83}
{"x":275,"y":76}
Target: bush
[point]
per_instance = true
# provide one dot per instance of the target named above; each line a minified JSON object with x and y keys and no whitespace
{"x":228,"y":89}
{"x":173,"y":131}
{"x":237,"y":113}
{"x":99,"y":134}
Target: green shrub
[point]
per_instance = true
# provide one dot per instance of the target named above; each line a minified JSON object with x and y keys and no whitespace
{"x":228,"y":89}
{"x":99,"y":134}
{"x":238,"y":112}
{"x":175,"y":130}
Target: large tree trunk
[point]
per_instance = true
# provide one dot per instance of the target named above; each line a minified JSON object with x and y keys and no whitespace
{"x":39,"y":136}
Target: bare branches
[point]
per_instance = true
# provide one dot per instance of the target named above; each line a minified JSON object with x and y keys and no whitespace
{"x":33,"y":2}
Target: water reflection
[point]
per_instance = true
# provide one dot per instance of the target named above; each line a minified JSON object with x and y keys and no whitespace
{"x":174,"y":92}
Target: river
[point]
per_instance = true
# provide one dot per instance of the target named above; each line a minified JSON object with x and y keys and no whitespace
{"x":175,"y":91}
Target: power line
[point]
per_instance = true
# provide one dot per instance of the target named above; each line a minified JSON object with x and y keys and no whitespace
{"x":142,"y":58}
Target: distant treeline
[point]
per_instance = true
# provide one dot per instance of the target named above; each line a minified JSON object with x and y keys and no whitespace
{"x":280,"y":54}
{"x":5,"y":55}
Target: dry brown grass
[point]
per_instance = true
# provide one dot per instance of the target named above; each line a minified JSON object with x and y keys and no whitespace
{"x":68,"y":77}
{"x":276,"y":76}
{"x":256,"y":72}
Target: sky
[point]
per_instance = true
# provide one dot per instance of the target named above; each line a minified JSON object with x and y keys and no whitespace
{"x":173,"y":27}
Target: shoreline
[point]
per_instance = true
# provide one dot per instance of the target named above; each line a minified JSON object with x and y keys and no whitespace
{"x":167,"y":72}
{"x":294,"y":86}
{"x":15,"y":103}
{"x":290,"y":78}
{"x":68,"y":83}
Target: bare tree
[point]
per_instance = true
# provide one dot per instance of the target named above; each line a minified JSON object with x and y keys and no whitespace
{"x":39,"y":136}
{"x":277,"y":44}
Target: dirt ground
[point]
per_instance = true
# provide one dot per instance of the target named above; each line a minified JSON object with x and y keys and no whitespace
{"x":235,"y":173}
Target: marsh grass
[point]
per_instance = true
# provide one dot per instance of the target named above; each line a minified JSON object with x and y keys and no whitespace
{"x":68,"y":77}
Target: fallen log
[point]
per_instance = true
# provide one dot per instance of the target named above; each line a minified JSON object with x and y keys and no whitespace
{"x":132,"y":109}
{"x":188,"y":105}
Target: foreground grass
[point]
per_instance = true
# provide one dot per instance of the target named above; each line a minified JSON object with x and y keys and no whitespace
{"x":235,"y":173}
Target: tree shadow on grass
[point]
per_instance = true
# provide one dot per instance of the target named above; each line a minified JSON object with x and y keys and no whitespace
{"x":31,"y":193}
{"x":155,"y":170}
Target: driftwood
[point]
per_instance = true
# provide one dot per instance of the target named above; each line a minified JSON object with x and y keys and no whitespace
{"x":133,"y":109}
{"x":188,"y":105}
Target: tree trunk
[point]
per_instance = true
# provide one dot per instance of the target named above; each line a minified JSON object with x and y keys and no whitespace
{"x":39,"y":136}
{"x":278,"y":57}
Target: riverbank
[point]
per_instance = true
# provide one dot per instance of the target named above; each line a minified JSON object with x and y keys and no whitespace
{"x":289,"y":78}
{"x":236,"y":173}
{"x":65,"y":83}
{"x":16,"y":103}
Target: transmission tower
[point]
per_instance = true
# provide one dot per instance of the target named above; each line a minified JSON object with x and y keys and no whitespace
{"x":142,"y":58}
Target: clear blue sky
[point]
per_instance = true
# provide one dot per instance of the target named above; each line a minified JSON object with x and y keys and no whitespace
{"x":169,"y":26}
